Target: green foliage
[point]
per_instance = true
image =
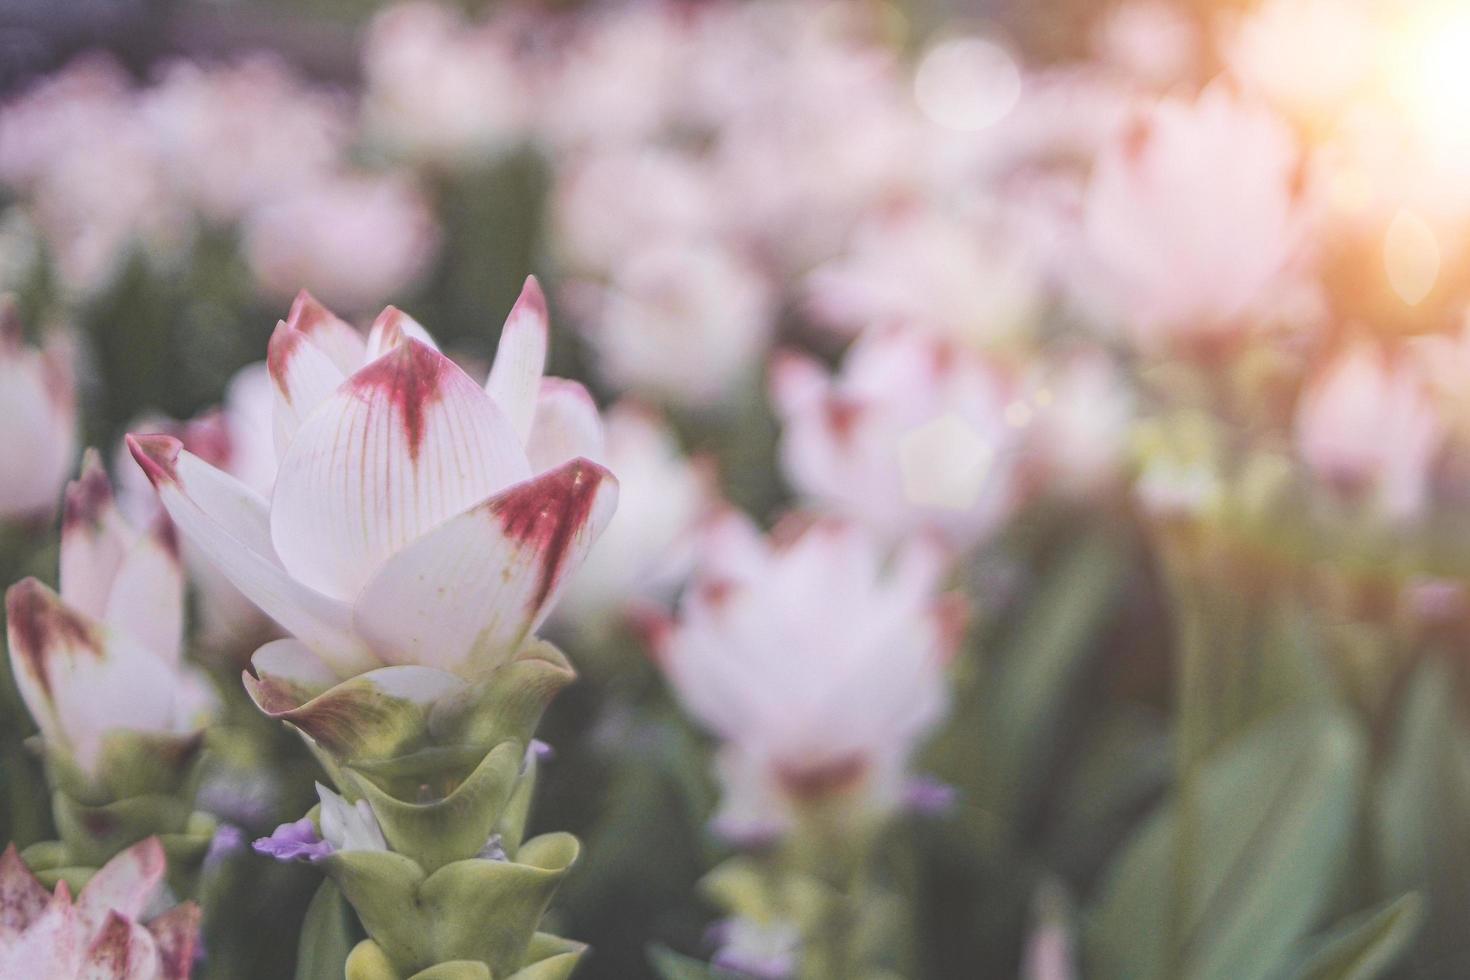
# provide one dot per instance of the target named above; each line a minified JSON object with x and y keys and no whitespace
{"x":1277,"y":809}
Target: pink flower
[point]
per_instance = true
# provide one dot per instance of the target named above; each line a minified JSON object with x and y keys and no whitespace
{"x":648,"y":548}
{"x":236,"y":437}
{"x":1369,"y":432}
{"x":911,"y":434}
{"x":99,"y":935}
{"x":234,"y":137}
{"x":441,"y":88}
{"x":90,"y":174}
{"x":1191,"y":220}
{"x":38,"y":420}
{"x":1081,"y":413}
{"x":818,"y":663}
{"x":974,"y":281}
{"x":106,"y":655}
{"x":360,"y":239}
{"x":417,"y":518}
{"x":1153,"y":41}
{"x":682,"y":321}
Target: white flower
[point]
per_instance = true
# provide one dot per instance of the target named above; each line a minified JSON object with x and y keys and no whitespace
{"x":349,"y":826}
{"x":235,"y":437}
{"x":648,"y":548}
{"x":977,"y":282}
{"x":359,"y":239}
{"x":1081,"y":413}
{"x":99,"y":936}
{"x":443,"y":89}
{"x":1191,"y":219}
{"x":683,"y":321}
{"x":911,"y":434}
{"x":105,"y":655}
{"x":1369,"y":432}
{"x":38,"y":420}
{"x":417,"y":517}
{"x":817,"y":663}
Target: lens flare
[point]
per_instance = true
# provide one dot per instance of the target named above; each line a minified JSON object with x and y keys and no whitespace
{"x":1411,"y":257}
{"x":967,"y":83}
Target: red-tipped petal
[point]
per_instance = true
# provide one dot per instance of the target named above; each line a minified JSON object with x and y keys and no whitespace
{"x":567,"y":425}
{"x":328,"y":332}
{"x":469,"y":592}
{"x":520,"y":359}
{"x":407,"y":443}
{"x":156,"y":454}
{"x":22,"y":897}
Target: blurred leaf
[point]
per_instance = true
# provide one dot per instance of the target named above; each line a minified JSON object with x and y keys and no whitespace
{"x":1038,"y":668}
{"x":1365,"y":945}
{"x":1277,"y":808}
{"x":1422,"y":807}
{"x":326,"y":936}
{"x":670,"y":965}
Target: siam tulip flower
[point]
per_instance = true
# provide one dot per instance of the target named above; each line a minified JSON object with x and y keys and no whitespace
{"x":975,"y":284}
{"x":419,"y":521}
{"x":1192,"y":220}
{"x":911,"y":434}
{"x":90,"y":174}
{"x":1369,"y":432}
{"x":236,"y":438}
{"x":105,"y":657}
{"x":234,"y":137}
{"x":359,"y":238}
{"x":616,"y":81}
{"x":1153,"y":41}
{"x":100,"y":935}
{"x":648,"y":547}
{"x":682,"y":321}
{"x":621,"y":194}
{"x":1083,"y":415}
{"x":38,"y":419}
{"x":441,"y":89}
{"x":818,"y":664}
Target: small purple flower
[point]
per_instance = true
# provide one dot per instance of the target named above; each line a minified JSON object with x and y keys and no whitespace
{"x":494,"y":850}
{"x":542,"y":751}
{"x":929,"y":797}
{"x":226,"y":841}
{"x":294,"y":841}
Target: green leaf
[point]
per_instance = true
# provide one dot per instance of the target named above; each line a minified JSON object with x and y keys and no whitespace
{"x":326,"y":936}
{"x":1364,"y":946}
{"x":1422,"y":805}
{"x":1276,"y":812}
{"x":670,"y":965}
{"x":1040,"y":665}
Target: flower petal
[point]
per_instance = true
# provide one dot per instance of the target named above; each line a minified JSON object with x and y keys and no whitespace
{"x":408,"y":442}
{"x":469,"y":592}
{"x":22,"y":897}
{"x":230,"y":525}
{"x":328,"y":332}
{"x":392,"y":328}
{"x":51,"y":947}
{"x":124,"y":885}
{"x":566,"y":426}
{"x":147,"y":598}
{"x":520,"y":359}
{"x":176,"y":933}
{"x":303,"y":375}
{"x":94,"y":539}
{"x":122,"y":950}
{"x":373,"y":715}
